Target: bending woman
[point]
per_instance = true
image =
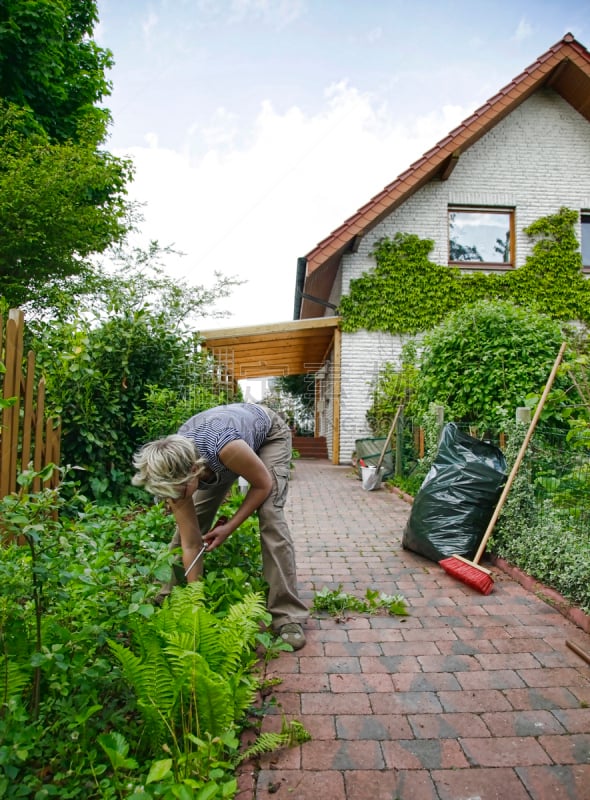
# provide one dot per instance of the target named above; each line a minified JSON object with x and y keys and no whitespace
{"x":194,"y":470}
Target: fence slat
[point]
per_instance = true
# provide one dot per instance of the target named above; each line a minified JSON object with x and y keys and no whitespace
{"x":25,"y":435}
{"x":10,"y":415}
{"x":27,"y":390}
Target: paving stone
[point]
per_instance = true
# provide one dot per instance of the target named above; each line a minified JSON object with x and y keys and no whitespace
{"x":480,"y":784}
{"x":504,"y":751}
{"x":343,"y":755}
{"x":551,"y":783}
{"x":570,"y":749}
{"x":410,"y":784}
{"x":280,"y":784}
{"x":490,"y":679}
{"x":424,"y":754}
{"x":469,"y":696}
{"x":374,"y":726}
{"x":447,"y":726}
{"x":522,"y":723}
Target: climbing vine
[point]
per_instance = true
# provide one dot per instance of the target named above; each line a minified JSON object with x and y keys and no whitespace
{"x":408,"y":293}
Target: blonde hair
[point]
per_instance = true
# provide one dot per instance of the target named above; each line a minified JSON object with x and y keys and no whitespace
{"x":165,"y":465}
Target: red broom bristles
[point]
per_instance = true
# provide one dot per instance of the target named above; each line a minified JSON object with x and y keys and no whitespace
{"x":469,"y":573}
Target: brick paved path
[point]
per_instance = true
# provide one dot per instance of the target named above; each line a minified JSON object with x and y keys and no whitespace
{"x":470,"y":697}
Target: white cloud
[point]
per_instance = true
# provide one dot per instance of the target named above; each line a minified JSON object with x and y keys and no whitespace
{"x":148,"y":26}
{"x":252,"y":211}
{"x":277,"y":13}
{"x":523,"y":31}
{"x":374,"y":35}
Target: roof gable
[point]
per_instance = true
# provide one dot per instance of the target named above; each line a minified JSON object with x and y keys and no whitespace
{"x":565,"y":68}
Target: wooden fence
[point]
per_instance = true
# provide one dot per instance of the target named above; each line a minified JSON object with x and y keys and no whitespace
{"x":27,"y":438}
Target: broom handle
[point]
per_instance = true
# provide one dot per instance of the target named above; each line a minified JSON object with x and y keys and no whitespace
{"x":520,"y":456}
{"x":388,"y":440}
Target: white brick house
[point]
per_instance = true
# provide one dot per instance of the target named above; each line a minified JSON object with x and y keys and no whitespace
{"x":521,"y":156}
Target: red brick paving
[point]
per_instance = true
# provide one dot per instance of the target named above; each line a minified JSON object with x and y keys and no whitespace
{"x":470,"y":697}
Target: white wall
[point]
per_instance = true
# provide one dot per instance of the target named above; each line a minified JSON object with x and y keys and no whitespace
{"x":536,"y":161}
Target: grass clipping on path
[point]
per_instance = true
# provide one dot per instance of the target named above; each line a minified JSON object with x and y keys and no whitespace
{"x":336,"y":602}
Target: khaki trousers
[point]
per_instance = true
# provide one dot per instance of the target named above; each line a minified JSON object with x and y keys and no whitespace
{"x":278,"y":552}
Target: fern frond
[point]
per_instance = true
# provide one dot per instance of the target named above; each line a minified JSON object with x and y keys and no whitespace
{"x":246,"y":616}
{"x":292,"y":734}
{"x":12,"y":680}
{"x":198,"y":631}
{"x":215,"y":704}
{"x":240,"y":627}
{"x":154,"y":685}
{"x":244,"y":688}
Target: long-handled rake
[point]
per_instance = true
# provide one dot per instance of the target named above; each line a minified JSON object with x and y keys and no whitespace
{"x":372,"y":475}
{"x":469,"y":571}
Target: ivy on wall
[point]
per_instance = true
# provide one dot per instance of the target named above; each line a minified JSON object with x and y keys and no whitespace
{"x":408,"y":293}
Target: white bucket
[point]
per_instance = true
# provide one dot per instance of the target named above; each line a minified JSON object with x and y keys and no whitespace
{"x":371,"y":478}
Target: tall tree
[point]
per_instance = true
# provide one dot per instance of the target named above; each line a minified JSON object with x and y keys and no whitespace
{"x":62,"y":196}
{"x":50,"y":64}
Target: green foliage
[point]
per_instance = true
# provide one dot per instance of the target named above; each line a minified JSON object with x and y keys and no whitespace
{"x":393,"y":387}
{"x":59,"y":203}
{"x":407,"y":293}
{"x":336,"y":602}
{"x":125,"y":368}
{"x":543,"y":527}
{"x":69,"y":724}
{"x":190,"y":671}
{"x":50,"y":64}
{"x":292,"y":733}
{"x":484,"y":360}
{"x":62,"y":196}
{"x":294,"y":397}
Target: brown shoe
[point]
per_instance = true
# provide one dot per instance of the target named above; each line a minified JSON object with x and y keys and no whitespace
{"x":292,"y":633}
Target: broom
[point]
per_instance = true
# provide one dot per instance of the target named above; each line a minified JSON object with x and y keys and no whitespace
{"x":469,"y":572}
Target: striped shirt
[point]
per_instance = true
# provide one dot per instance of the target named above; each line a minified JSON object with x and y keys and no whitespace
{"x":212,"y":429}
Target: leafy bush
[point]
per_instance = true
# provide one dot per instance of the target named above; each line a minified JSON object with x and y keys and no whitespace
{"x":543,"y":527}
{"x":77,"y":584}
{"x":123,"y":368}
{"x":484,"y":360}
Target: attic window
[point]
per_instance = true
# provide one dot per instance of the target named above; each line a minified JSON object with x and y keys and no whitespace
{"x":481,"y":237}
{"x":585,"y":219}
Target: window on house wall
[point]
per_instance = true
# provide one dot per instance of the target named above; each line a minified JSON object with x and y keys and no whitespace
{"x":585,"y":218}
{"x":481,"y":236}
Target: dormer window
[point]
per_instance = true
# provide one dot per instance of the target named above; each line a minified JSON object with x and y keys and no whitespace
{"x":481,"y":237}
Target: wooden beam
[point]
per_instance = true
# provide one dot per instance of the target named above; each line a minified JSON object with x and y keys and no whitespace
{"x":449,"y":165}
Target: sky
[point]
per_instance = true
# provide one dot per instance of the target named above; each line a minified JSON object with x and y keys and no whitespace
{"x":257,"y":127}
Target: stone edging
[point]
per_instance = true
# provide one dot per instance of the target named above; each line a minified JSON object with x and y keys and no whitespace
{"x":550,"y":596}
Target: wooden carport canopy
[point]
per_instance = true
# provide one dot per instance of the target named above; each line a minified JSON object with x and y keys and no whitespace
{"x":296,"y":347}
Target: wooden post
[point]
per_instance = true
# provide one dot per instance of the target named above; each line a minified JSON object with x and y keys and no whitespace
{"x":336,"y":391}
{"x":399,"y":445}
{"x":523,"y":414}
{"x":439,"y":413}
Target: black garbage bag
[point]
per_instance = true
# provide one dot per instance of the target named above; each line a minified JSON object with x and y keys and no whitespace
{"x":455,"y":503}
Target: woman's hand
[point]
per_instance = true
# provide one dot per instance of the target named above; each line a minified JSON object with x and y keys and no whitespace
{"x":218,"y":534}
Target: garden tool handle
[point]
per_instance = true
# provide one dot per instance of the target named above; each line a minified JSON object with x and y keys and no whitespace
{"x":195,"y":559}
{"x":220,"y":521}
{"x":389,"y":437}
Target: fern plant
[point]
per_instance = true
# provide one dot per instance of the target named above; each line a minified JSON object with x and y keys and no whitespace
{"x":194,"y":680}
{"x":192,"y":671}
